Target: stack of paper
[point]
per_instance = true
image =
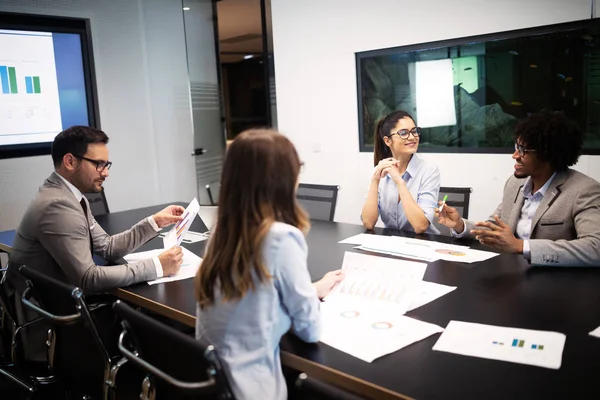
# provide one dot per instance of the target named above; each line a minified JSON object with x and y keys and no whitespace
{"x":523,"y":346}
{"x":363,"y":315}
{"x":188,"y":269}
{"x":426,"y":250}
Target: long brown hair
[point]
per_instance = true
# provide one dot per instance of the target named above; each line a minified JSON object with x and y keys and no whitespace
{"x":384,"y":128}
{"x":258,"y":188}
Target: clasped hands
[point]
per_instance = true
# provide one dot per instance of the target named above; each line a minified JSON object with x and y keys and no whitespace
{"x":388,"y":166}
{"x":496,"y":235}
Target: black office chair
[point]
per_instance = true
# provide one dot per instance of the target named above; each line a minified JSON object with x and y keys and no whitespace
{"x":318,"y":200}
{"x":98,"y":203}
{"x":178,"y":366}
{"x":27,"y":375}
{"x":308,"y":388}
{"x":74,"y":334}
{"x":458,"y":197}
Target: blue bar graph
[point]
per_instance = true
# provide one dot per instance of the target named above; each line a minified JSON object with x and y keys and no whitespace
{"x":4,"y":79}
{"x":28,"y":84}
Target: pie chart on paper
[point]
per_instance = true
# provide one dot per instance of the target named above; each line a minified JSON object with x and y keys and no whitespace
{"x":451,"y":252}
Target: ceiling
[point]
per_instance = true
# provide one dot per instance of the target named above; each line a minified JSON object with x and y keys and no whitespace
{"x":240,"y":29}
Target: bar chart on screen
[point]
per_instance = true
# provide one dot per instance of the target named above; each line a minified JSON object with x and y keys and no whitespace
{"x":29,"y":96}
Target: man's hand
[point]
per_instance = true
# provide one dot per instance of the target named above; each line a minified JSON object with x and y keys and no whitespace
{"x":450,"y":217}
{"x":383,"y":164}
{"x":328,"y":282}
{"x":498,"y":236}
{"x":171,"y":260}
{"x":168,"y":216}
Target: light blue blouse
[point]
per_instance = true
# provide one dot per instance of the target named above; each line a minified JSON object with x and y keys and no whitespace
{"x":246,"y":333}
{"x":423,"y":182}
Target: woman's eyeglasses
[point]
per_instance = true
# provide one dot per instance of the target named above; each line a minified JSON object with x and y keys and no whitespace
{"x":404,"y":133}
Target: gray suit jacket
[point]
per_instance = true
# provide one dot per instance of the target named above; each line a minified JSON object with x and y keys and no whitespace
{"x":565,"y":230}
{"x":54,"y":238}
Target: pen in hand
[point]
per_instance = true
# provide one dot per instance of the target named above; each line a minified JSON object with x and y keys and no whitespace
{"x":443,"y":203}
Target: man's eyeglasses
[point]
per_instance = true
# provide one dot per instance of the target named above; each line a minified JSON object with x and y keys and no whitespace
{"x":522,"y":150}
{"x":403,"y":133}
{"x":100,"y":165}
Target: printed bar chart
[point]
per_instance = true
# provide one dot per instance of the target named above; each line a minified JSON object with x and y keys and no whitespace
{"x":32,"y":84}
{"x":4,"y":80}
{"x":8,"y":79}
{"x":12,"y":77}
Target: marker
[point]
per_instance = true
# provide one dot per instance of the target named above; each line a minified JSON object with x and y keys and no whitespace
{"x":443,"y":203}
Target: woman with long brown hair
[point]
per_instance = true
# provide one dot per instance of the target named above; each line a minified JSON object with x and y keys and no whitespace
{"x":404,"y":189}
{"x":253,"y":284}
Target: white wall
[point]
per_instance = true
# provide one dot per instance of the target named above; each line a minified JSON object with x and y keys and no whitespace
{"x":315,"y":42}
{"x":143,"y":94}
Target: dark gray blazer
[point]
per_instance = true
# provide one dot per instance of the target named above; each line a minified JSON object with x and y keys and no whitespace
{"x":54,"y":238}
{"x":565,"y":230}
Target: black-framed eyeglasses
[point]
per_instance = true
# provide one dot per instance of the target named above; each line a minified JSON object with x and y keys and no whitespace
{"x":403,"y":133}
{"x":100,"y":165}
{"x":522,"y":150}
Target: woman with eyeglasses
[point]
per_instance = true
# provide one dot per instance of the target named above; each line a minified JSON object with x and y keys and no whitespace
{"x":253,"y":284}
{"x":404,"y":188}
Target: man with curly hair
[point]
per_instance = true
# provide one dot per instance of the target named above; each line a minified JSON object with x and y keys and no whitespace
{"x":550,"y":213}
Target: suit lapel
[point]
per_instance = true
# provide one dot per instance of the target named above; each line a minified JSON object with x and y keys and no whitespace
{"x":515,"y":212}
{"x":551,"y":195}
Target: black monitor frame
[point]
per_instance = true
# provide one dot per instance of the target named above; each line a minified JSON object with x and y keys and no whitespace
{"x":513,"y":34}
{"x":43,"y":23}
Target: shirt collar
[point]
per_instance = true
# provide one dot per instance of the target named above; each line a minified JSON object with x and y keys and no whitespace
{"x":529,"y":185}
{"x":413,"y":166}
{"x":73,"y":189}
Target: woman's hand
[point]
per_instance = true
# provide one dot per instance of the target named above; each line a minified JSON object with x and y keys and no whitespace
{"x":328,"y":282}
{"x":383,"y":164}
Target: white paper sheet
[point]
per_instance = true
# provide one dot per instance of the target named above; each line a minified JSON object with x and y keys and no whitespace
{"x":595,"y":332}
{"x":522,"y":346}
{"x":367,"y":332}
{"x":425,"y":250}
{"x":191,"y":237}
{"x":356,"y":239}
{"x":176,"y":234}
{"x":427,"y":292}
{"x":386,"y":282}
{"x":188,"y":269}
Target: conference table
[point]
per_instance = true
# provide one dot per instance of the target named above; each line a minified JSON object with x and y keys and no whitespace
{"x":502,"y":291}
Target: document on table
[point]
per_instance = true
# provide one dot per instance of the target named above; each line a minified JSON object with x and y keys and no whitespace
{"x":368,"y":332}
{"x":418,"y":249}
{"x":379,"y":281}
{"x":176,"y":234}
{"x":190,"y":237}
{"x":427,"y":292}
{"x":522,"y":346}
{"x":188,"y":269}
{"x":595,"y":332}
{"x":356,"y":239}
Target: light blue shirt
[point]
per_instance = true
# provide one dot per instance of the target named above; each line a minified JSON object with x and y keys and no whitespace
{"x":246,"y":332}
{"x":530,"y":205}
{"x":423,"y":182}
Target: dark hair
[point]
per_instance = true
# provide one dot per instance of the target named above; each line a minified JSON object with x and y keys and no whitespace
{"x":555,"y":139}
{"x":75,"y":140}
{"x":258,"y":188}
{"x":384,"y":128}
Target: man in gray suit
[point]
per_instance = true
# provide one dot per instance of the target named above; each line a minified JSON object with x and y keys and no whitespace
{"x":58,"y":233}
{"x":549,"y":212}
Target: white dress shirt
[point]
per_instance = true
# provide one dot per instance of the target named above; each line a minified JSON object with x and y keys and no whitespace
{"x":78,"y":195}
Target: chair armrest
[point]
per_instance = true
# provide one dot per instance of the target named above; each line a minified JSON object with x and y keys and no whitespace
{"x":57,"y":319}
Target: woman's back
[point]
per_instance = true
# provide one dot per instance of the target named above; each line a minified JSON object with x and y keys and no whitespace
{"x":246,"y":332}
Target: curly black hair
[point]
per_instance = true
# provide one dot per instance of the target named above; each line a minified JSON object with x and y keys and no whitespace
{"x":554,"y":137}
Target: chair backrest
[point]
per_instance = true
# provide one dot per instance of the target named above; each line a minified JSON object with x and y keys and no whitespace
{"x":98,"y":204}
{"x":458,"y":197}
{"x":64,"y":306}
{"x":313,"y":389}
{"x":172,"y":360}
{"x":318,"y":200}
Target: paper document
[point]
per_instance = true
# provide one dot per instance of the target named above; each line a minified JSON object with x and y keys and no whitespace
{"x":427,"y":292}
{"x":368,"y":333}
{"x":378,"y":281}
{"x":522,"y":346}
{"x":175,"y":235}
{"x":356,"y":239}
{"x":191,"y":237}
{"x":595,"y":332}
{"x":425,"y":250}
{"x":188,"y":269}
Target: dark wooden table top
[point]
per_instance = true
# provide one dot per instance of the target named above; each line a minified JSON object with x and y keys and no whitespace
{"x":502,"y":291}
